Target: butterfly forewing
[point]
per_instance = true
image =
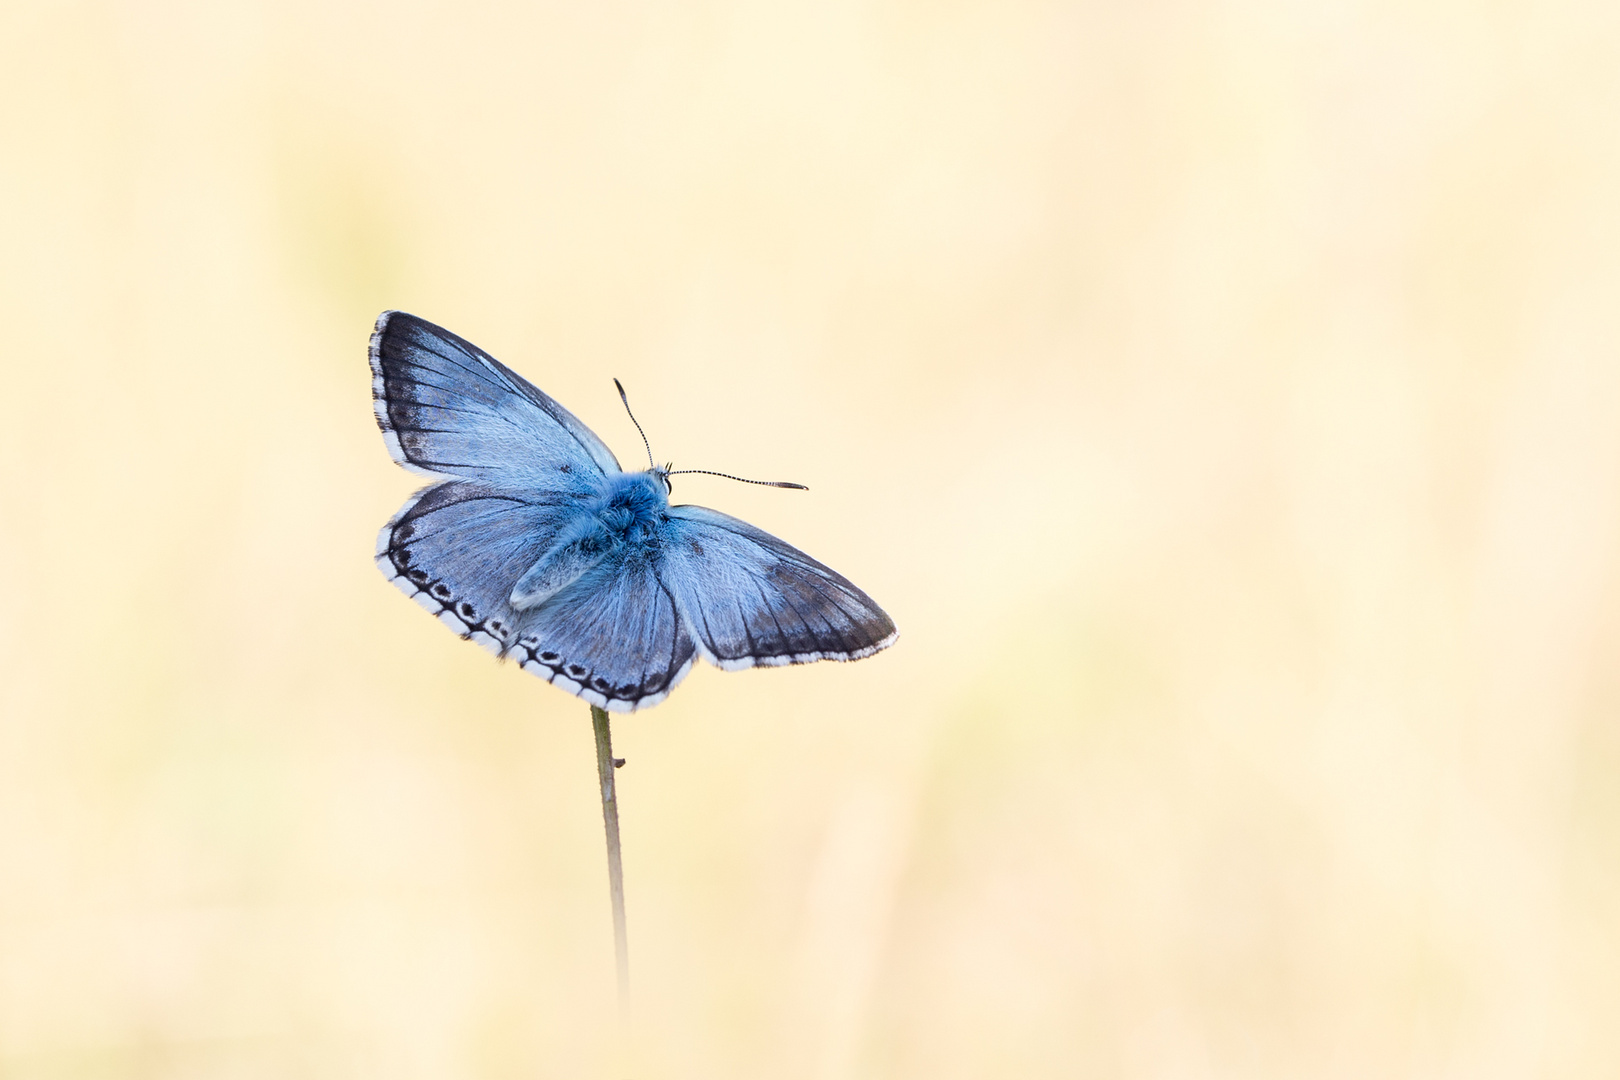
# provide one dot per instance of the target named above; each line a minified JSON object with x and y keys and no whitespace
{"x":753,"y":599}
{"x":447,"y":407}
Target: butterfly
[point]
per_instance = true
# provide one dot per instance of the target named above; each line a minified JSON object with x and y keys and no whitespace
{"x":534,"y":543}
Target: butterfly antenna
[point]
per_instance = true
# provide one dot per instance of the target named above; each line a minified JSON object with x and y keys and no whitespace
{"x":633,"y":420}
{"x":740,"y":480}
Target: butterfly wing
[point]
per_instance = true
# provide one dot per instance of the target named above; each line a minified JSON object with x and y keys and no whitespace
{"x":456,"y":548}
{"x":750,"y":598}
{"x":447,"y":408}
{"x":612,"y":637}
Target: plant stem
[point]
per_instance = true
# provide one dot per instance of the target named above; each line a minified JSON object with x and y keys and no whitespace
{"x":610,"y":818}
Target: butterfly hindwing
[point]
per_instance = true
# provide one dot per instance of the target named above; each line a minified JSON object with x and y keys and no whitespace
{"x":456,"y":548}
{"x":446,"y":407}
{"x":750,"y":598}
{"x":614,"y":637}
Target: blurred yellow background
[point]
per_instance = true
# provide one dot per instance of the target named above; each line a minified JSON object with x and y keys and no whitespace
{"x":1223,"y":398}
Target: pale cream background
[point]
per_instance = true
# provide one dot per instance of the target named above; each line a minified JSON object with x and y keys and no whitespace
{"x":1224,"y":398}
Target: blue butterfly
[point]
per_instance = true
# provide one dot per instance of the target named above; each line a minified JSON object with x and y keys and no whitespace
{"x":533,"y":542}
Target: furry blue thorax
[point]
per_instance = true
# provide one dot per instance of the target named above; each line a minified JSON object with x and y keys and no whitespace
{"x":634,"y":505}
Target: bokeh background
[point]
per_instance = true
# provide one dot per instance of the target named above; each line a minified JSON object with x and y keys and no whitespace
{"x":1223,"y":397}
